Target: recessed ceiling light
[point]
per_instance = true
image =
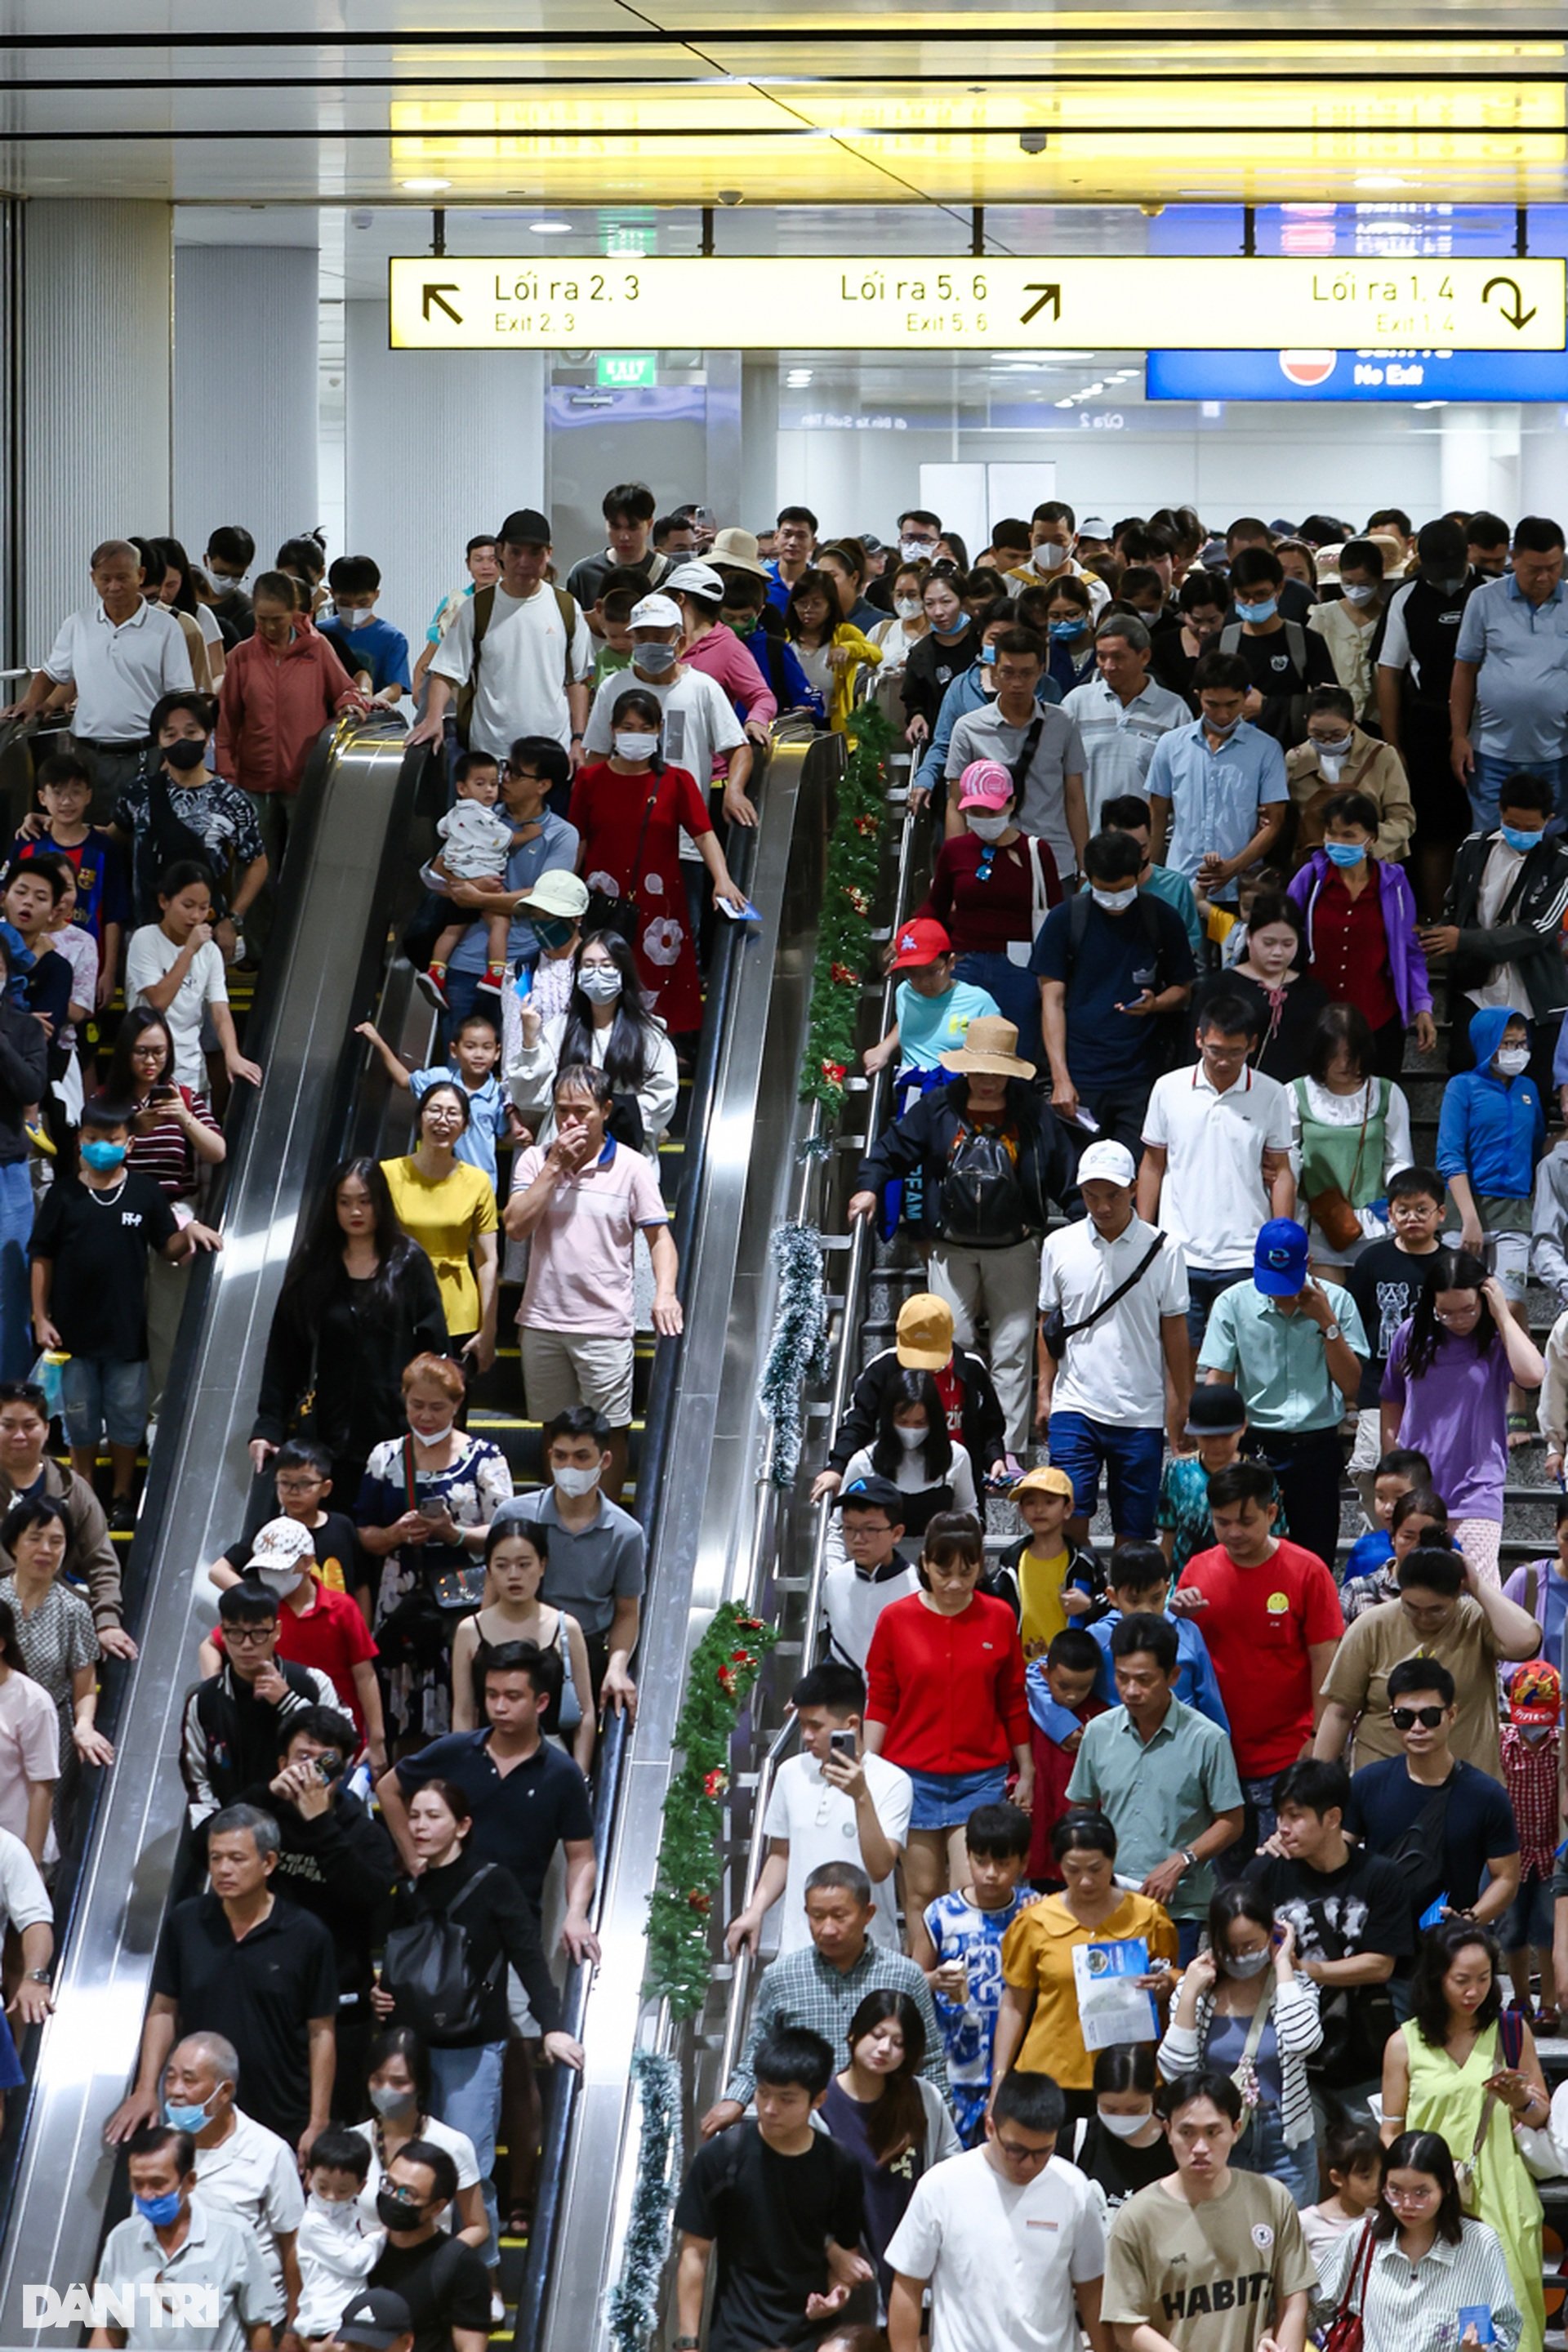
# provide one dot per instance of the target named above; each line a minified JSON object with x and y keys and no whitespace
{"x":549,"y":228}
{"x":426,"y":187}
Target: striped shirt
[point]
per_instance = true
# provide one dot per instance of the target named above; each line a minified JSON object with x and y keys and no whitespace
{"x":1297,"y":2033}
{"x":165,"y":1152}
{"x":1412,"y":2306}
{"x":1119,"y":738}
{"x":803,"y":1989}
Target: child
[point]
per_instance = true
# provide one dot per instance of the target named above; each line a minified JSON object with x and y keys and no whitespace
{"x":1141,"y":1583}
{"x":1045,"y":1579}
{"x":874,"y":1570}
{"x":337,"y":2248}
{"x":89,"y":1293}
{"x":302,"y":1480}
{"x":1530,"y":1742}
{"x":1217,"y":1421}
{"x":958,"y":1942}
{"x":373,"y":653}
{"x":478,"y":843}
{"x":1489,"y":1134}
{"x":1398,"y":1473}
{"x":1420,"y":1516}
{"x":1383,"y":1282}
{"x":1541,"y":1587}
{"x":611,"y":622}
{"x":476,"y":1050}
{"x":103,"y":902}
{"x":1225,"y":926}
{"x":176,"y":966}
{"x":315,"y":1627}
{"x":1060,"y":1690}
{"x":1353,"y":2153}
{"x":932,"y":1010}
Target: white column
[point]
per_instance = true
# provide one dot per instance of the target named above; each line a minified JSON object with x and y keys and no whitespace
{"x":1479,"y":457}
{"x":440,"y":445}
{"x":759,"y":439}
{"x":244,"y":393}
{"x":97,"y":309}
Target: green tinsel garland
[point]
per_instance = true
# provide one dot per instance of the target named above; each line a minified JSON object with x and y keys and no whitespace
{"x":634,"y":2300}
{"x":844,"y":939}
{"x":799,"y":1344}
{"x":723,"y":1668}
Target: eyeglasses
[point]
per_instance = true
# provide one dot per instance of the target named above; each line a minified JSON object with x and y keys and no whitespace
{"x":1406,"y":1718}
{"x":1412,"y":2196}
{"x":1018,"y":2154}
{"x":249,"y":1637}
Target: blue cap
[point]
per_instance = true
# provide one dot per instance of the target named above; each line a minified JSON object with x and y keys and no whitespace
{"x":1279,"y":1258}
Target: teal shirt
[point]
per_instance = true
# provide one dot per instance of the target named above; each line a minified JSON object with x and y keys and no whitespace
{"x":1177,"y":892}
{"x":930,"y":1026}
{"x":1280,"y":1362}
{"x":1160,"y":1795}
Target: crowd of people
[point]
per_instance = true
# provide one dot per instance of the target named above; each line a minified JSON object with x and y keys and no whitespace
{"x":1158,"y":1926}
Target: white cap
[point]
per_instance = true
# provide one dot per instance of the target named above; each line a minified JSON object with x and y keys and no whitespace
{"x":281,"y":1543}
{"x":693,"y":580}
{"x":1094,"y":527}
{"x":655,"y":613}
{"x":1110,"y":1162}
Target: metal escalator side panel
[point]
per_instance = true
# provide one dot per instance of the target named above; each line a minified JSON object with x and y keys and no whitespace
{"x":332,"y":930}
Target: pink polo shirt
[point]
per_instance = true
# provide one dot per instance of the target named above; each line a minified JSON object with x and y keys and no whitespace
{"x":580,"y":1257}
{"x":727,"y":661}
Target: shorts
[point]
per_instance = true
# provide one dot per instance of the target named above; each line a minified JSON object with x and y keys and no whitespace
{"x":1132,"y":1458}
{"x":944,"y":1800}
{"x":102,"y":1398}
{"x":1529,"y":1917}
{"x":1367,"y":1451}
{"x":1507,"y":1246}
{"x":562,"y":1369}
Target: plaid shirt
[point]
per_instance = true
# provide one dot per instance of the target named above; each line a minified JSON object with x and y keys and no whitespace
{"x":1530,"y":1776}
{"x":801,"y":1989}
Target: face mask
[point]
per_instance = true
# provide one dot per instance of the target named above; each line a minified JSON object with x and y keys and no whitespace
{"x":162,"y":2211}
{"x":1252,"y":1966}
{"x":394,"y":2214}
{"x":655,"y":661}
{"x":953,"y":629}
{"x":576,"y":1483}
{"x":910,"y":1438}
{"x":915,"y":551}
{"x":988,"y":828}
{"x":1362,"y":596}
{"x":907,"y":608}
{"x":1263,"y":612}
{"x":1213,"y":727}
{"x":1115,"y":902}
{"x":1121,"y":2126}
{"x":1048,"y":556}
{"x":742,"y":624}
{"x":600,"y":982}
{"x":280,"y":1580}
{"x":388,"y":2102}
{"x":1343,"y":852}
{"x":1447,"y":587}
{"x":185,"y":754}
{"x":1064,"y":632}
{"x":103,"y":1157}
{"x":552,"y":931}
{"x":636,"y":747}
{"x":1517,"y":838}
{"x":359,"y":618}
{"x":191,"y":2119}
{"x":1335,"y":748}
{"x":433,"y":1436}
{"x":227,"y":584}
{"x":1511,"y":1061}
{"x":987,"y":656}
{"x":338,"y":2213}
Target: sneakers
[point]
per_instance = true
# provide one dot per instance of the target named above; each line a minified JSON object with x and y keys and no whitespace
{"x":432,"y":985}
{"x":122,"y":1514}
{"x":494,"y":980}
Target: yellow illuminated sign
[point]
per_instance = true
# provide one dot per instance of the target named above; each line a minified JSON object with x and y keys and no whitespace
{"x":1001,"y":302}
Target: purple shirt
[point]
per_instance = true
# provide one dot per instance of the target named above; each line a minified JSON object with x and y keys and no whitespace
{"x":1456,"y":1416}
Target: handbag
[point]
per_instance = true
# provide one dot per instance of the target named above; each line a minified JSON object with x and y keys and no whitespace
{"x":455,"y":1590}
{"x":610,"y":913}
{"x":1332,"y":1210}
{"x":1347,"y":2330}
{"x":1511,"y":2039}
{"x":1055,"y":1328}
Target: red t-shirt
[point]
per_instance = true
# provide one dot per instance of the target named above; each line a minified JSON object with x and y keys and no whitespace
{"x":950,"y":1689}
{"x":333,"y":1635}
{"x":1259,"y":1625}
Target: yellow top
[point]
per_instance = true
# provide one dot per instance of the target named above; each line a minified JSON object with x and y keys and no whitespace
{"x":1040,"y":1598}
{"x":445,"y":1218}
{"x":1036,"y":1957}
{"x":841,"y":700}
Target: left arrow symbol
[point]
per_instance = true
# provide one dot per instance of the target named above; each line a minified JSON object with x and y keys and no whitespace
{"x":438,"y":294}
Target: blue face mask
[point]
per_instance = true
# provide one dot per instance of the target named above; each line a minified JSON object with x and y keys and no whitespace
{"x":1065,"y":631}
{"x":1344,"y":853}
{"x":162,"y":2211}
{"x":987,"y":656}
{"x":192,"y":2119}
{"x":1517,"y":838}
{"x":1264,"y":612}
{"x":103,"y":1157}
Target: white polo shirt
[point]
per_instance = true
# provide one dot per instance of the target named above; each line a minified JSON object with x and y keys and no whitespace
{"x":523,"y":665}
{"x":1119,"y":738}
{"x":1003,"y":2260}
{"x":120,"y":669}
{"x":1212,"y":1201}
{"x":252,"y":2178}
{"x":820,"y":1823}
{"x":1115,"y":1371}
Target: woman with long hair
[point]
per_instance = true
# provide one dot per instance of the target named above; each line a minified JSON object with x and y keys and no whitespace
{"x":608,"y":1024}
{"x":1445,"y":1393}
{"x":1462,"y":2070}
{"x":449,"y":1206}
{"x":884,"y":2114}
{"x":178,"y":591}
{"x":1272,"y":980}
{"x":914,"y":1449}
{"x":827,"y":645}
{"x":359,"y":1301}
{"x":897,"y":637}
{"x":1123,"y":2147}
{"x":174,"y":1139}
{"x":517,"y":1552}
{"x":1350,"y":1132}
{"x":397,"y":2070}
{"x":948,"y":647}
{"x":1416,"y":2261}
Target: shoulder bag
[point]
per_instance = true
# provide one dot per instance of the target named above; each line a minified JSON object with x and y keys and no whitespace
{"x":1055,"y":1328}
{"x":1511,"y":2044}
{"x":1331,"y":1209}
{"x":619,"y":913}
{"x":457,"y":1590}
{"x":1347,"y":2330}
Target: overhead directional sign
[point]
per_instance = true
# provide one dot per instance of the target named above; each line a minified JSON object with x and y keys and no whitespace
{"x":1002,"y":302}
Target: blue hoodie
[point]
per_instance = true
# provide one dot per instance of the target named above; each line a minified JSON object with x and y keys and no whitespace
{"x":1491,"y":1129}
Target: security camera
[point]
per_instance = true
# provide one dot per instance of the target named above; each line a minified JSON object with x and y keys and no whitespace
{"x":1034,"y":142}
{"x":732,"y":197}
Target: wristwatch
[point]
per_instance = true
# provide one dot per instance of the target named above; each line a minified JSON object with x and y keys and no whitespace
{"x":1330,"y":1331}
{"x":1189,"y":1858}
{"x":685,"y":2344}
{"x":37,"y":1976}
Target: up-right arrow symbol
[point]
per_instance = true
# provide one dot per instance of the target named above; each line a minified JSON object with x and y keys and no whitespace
{"x":1517,"y":317}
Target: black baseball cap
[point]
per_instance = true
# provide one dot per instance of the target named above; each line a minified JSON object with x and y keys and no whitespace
{"x":375,"y":2318}
{"x":876,"y":1495}
{"x":525,"y":527}
{"x":1215,"y":1412}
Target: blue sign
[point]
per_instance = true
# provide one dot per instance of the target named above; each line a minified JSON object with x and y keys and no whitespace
{"x":1357,"y":376}
{"x":1386,"y":226}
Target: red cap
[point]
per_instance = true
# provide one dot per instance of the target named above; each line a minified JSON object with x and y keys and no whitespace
{"x":919,"y":941}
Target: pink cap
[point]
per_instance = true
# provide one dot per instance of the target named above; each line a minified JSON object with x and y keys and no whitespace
{"x":984,"y":783}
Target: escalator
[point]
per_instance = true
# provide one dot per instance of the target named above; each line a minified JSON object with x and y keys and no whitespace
{"x":348,"y":874}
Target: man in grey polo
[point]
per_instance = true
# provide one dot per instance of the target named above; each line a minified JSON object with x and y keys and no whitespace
{"x":1507,"y":698}
{"x":1121,"y":714}
{"x":1038,"y":742}
{"x":596,"y":1567}
{"x":1162,"y":1773}
{"x":184,"y":2277}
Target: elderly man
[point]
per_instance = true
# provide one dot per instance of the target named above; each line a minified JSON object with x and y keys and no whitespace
{"x":188,"y":2279}
{"x":243,"y":2171}
{"x":1121,"y":714}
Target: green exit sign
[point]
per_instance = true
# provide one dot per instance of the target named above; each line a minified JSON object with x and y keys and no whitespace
{"x":628,"y":371}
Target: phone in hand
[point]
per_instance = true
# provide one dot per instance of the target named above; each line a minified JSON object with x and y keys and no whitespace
{"x":431,"y":1510}
{"x":842,"y":1744}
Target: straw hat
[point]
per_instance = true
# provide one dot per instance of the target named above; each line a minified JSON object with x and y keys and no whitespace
{"x":989,"y":1048}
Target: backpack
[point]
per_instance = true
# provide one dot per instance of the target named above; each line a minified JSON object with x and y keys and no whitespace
{"x":983,"y":1204}
{"x":428,"y":1965}
{"x":484,"y":608}
{"x":1296,"y":646}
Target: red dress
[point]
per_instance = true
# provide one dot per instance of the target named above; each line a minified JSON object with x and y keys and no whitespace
{"x":608,"y":811}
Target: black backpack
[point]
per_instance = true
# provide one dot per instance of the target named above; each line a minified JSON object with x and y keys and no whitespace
{"x":429,"y":1966}
{"x":983,"y":1204}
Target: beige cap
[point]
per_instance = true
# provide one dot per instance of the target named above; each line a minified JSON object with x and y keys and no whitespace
{"x":924,"y":1338}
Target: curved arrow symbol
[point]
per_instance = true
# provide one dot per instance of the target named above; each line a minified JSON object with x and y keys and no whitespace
{"x":1517,"y":317}
{"x":438,"y":294}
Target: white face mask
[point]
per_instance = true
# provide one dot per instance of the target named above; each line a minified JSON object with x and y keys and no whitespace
{"x":1122,"y":2126}
{"x":1512,"y":1060}
{"x":436,"y":1436}
{"x":1246,"y":1964}
{"x":600,"y":982}
{"x":576,"y":1483}
{"x":1115,"y":902}
{"x":907,"y":608}
{"x":1049,"y":556}
{"x":915,"y":551}
{"x":987,"y":828}
{"x":636,"y":747}
{"x":910,"y":1438}
{"x":357,"y":618}
{"x":337,"y":2212}
{"x":1362,"y":595}
{"x":282,"y":1581}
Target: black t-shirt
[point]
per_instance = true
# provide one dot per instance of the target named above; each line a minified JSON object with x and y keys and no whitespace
{"x":259,"y":1993}
{"x":1272,"y":668}
{"x":1121,"y":2169}
{"x":334,"y":1541}
{"x":1477,"y":1826}
{"x":1170,"y":665}
{"x":1337,"y":1914}
{"x":1384,"y":1282}
{"x":770,"y":2216}
{"x":1284,"y":1050}
{"x":520,"y":1816}
{"x":97,"y":1244}
{"x":444,"y":2285}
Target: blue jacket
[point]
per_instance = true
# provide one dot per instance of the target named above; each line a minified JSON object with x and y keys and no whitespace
{"x":1491,"y":1129}
{"x":1195,"y":1682}
{"x":964,"y":695}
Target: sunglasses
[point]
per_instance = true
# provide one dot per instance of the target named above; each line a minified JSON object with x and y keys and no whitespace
{"x":1406,"y":1718}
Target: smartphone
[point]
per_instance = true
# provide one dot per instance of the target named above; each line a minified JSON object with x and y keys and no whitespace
{"x":431,"y":1510}
{"x":842,"y":1743}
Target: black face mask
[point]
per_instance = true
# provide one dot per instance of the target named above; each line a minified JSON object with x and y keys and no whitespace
{"x":394,"y":2214}
{"x":185,"y":753}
